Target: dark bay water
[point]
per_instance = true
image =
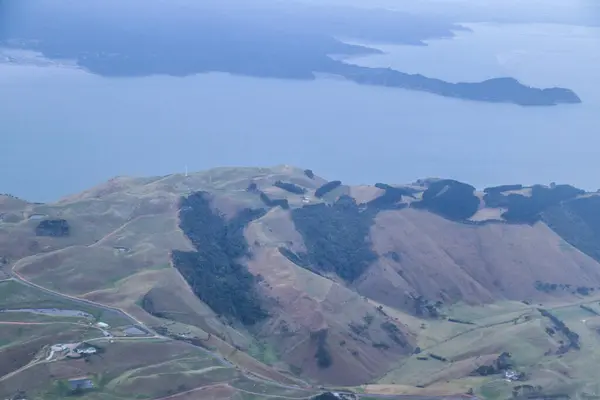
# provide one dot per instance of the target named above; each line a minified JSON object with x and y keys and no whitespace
{"x":63,"y":130}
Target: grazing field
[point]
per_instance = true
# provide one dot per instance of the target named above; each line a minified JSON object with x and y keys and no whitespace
{"x":517,"y":328}
{"x":14,"y":295}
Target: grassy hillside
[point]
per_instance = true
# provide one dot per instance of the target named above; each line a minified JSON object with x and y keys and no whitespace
{"x":304,"y":282}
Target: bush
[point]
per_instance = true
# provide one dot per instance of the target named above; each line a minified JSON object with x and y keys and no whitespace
{"x":336,"y":237}
{"x":290,"y":187}
{"x":326,"y":188}
{"x":309,"y":173}
{"x":213,"y":271}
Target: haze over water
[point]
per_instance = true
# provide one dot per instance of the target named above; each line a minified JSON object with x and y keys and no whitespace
{"x":64,"y":130}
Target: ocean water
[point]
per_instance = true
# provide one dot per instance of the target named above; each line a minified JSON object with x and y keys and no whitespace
{"x":63,"y":130}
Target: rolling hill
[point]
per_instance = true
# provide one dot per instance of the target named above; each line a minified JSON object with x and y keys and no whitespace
{"x":431,"y":288}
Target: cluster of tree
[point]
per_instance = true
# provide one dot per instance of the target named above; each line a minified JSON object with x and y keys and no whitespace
{"x":53,"y":227}
{"x":361,"y":330}
{"x":460,"y":321}
{"x":577,"y":221}
{"x":528,"y":392}
{"x":589,"y":309}
{"x":290,"y":187}
{"x":299,"y":260}
{"x":425,"y":308}
{"x":438,"y":357}
{"x":326,"y":188}
{"x":502,"y":363}
{"x":559,"y":325}
{"x":381,"y":346}
{"x":148,"y":305}
{"x":336,"y":237}
{"x":336,"y":396}
{"x":394,"y":333}
{"x":283,"y":203}
{"x":393,"y":256}
{"x":326,"y":396}
{"x":392,"y":197}
{"x":528,"y":209}
{"x":553,"y":287}
{"x":213,"y":270}
{"x":322,"y":354}
{"x":502,"y":188}
{"x":451,"y":199}
{"x":309,"y":173}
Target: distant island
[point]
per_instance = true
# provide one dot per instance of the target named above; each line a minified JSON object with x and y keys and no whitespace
{"x":297,"y":43}
{"x":497,"y":90}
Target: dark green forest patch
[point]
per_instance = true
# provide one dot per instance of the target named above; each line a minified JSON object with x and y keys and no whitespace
{"x":391,"y":199}
{"x":577,"y":221}
{"x":336,"y":237}
{"x":283,"y":203}
{"x":53,"y":227}
{"x":326,"y":188}
{"x":290,"y":187}
{"x":451,"y":199}
{"x":213,"y":270}
{"x":529,"y":209}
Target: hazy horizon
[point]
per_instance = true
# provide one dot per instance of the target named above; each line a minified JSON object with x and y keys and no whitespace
{"x":88,"y":128}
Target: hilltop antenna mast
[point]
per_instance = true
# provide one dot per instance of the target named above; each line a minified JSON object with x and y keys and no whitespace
{"x":186,"y":171}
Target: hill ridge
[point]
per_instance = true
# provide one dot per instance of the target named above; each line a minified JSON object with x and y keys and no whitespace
{"x":345,"y":279}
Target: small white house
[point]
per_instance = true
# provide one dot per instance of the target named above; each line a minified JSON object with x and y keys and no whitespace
{"x":102,"y":325}
{"x":511,"y":375}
